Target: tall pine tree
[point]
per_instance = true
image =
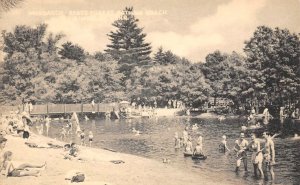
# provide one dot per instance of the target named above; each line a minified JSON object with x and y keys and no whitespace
{"x":128,"y":44}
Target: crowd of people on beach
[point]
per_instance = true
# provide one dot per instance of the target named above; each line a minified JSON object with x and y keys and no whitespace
{"x":18,"y":124}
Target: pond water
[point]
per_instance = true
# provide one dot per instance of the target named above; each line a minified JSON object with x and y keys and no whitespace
{"x":156,"y":141}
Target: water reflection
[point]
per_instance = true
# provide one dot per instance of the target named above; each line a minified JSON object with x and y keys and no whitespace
{"x":157,"y":142}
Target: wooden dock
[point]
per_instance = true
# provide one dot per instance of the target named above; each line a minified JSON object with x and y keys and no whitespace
{"x":52,"y":109}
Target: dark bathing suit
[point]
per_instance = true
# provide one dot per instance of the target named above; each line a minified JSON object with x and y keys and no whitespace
{"x":14,"y":173}
{"x":25,"y":134}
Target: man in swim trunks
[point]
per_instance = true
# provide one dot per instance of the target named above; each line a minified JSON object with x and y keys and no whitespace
{"x":198,"y":150}
{"x":269,"y":154}
{"x":241,"y":147}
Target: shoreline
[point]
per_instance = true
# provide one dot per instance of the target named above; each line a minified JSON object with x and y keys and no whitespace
{"x":98,"y":168}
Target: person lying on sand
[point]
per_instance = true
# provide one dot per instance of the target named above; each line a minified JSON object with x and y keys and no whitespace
{"x":42,"y":145}
{"x":22,"y":170}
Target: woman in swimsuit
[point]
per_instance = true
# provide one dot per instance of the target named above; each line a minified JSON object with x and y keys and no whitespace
{"x":257,"y":156}
{"x":22,"y":170}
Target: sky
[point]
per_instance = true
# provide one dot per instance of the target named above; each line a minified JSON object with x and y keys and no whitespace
{"x":189,"y":28}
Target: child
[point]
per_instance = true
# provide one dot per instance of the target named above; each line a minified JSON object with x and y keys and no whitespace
{"x":63,"y":134}
{"x":72,"y":153}
{"x":41,"y":129}
{"x":22,"y":170}
{"x":91,"y":136}
{"x":47,"y":124}
{"x":69,"y":128}
{"x":82,"y":136}
{"x":223,"y":145}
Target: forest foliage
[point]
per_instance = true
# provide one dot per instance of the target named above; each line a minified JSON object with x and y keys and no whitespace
{"x":36,"y":68}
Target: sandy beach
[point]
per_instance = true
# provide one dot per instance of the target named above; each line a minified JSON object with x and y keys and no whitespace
{"x":97,"y":167}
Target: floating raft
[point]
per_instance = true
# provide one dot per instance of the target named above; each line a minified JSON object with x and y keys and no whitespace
{"x":194,"y":157}
{"x":199,"y":157}
{"x":187,"y":154}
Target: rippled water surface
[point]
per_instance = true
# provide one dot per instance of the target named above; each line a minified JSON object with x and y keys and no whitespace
{"x":156,"y":141}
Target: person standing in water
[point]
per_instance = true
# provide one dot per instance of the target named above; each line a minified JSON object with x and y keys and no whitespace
{"x":223,"y":145}
{"x":266,"y":116}
{"x":47,"y":124}
{"x":269,"y":155}
{"x":185,"y":136}
{"x":241,"y":147}
{"x":281,"y":115}
{"x":91,"y":137}
{"x":63,"y":133}
{"x":198,"y":150}
{"x":93,"y":106}
{"x":177,"y":141}
{"x":257,"y":157}
{"x":189,"y":146}
{"x":200,"y":142}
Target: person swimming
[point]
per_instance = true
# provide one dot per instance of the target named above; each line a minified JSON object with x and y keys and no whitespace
{"x":221,"y":118}
{"x":195,"y":127}
{"x":295,"y":137}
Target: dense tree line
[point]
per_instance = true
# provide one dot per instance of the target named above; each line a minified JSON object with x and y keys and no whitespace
{"x":37,"y":68}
